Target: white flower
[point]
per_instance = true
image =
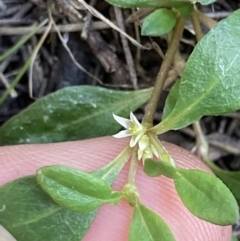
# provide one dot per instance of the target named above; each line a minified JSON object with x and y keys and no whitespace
{"x":133,"y":128}
{"x":138,"y":133}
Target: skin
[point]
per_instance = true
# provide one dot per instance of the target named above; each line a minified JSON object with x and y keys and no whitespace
{"x":113,"y":222}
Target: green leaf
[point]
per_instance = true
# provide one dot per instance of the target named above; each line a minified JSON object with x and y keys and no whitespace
{"x":139,"y":3}
{"x":72,"y":113}
{"x":171,"y":100}
{"x":210,"y":80}
{"x":230,"y":178}
{"x":30,"y":214}
{"x":159,"y":22}
{"x":184,"y":8}
{"x":76,"y":190}
{"x":146,"y":225}
{"x":156,"y":168}
{"x":206,"y":197}
{"x":203,"y":2}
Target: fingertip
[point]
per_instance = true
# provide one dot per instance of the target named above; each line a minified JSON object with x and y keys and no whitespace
{"x":113,"y":222}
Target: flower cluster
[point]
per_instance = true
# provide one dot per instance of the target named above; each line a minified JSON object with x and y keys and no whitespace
{"x":139,"y":136}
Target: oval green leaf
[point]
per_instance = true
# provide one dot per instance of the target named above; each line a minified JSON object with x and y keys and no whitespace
{"x":207,"y":197}
{"x":146,"y":225}
{"x":138,"y":3}
{"x":230,"y":178}
{"x":72,"y":113}
{"x":160,"y":22}
{"x":29,"y":213}
{"x":184,"y":8}
{"x":210,"y":80}
{"x":156,"y":168}
{"x":76,"y":190}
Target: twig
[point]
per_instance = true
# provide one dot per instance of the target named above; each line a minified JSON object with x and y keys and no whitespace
{"x":74,"y":27}
{"x":111,"y":24}
{"x":34,"y":54}
{"x":13,"y":92}
{"x":218,"y":14}
{"x":16,"y":80}
{"x":69,"y":10}
{"x":157,"y":48}
{"x":138,"y":38}
{"x":9,"y":11}
{"x":87,"y":23}
{"x":24,"y":9}
{"x":128,"y":54}
{"x":15,"y":21}
{"x":107,"y":58}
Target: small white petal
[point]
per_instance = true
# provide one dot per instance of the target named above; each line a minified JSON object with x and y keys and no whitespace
{"x":122,"y":134}
{"x":134,"y":140}
{"x":134,"y":120}
{"x":122,"y":121}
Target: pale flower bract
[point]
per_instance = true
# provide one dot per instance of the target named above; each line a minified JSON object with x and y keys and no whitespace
{"x":146,"y":149}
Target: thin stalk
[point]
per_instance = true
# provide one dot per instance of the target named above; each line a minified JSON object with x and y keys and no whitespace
{"x":205,"y":20}
{"x":196,"y":26}
{"x":23,"y":40}
{"x":35,"y":51}
{"x":161,"y":78}
{"x":200,"y":138}
{"x":202,"y":143}
{"x":133,"y":166}
{"x":16,"y":80}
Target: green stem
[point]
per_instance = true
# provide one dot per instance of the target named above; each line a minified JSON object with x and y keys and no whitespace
{"x":202,"y":143}
{"x":133,"y":166}
{"x":196,"y":26}
{"x":172,"y":48}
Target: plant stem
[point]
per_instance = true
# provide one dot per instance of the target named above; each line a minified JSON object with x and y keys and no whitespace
{"x":202,"y":143}
{"x":196,"y":26}
{"x":133,"y":166}
{"x":205,"y":20}
{"x":162,"y":74}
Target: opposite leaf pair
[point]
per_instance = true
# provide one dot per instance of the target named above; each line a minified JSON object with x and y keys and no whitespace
{"x":203,"y":194}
